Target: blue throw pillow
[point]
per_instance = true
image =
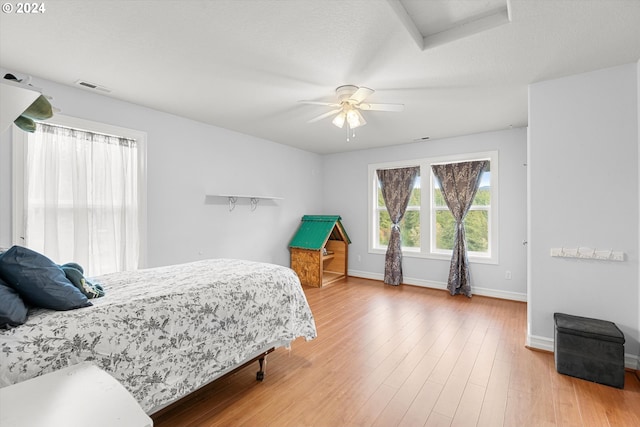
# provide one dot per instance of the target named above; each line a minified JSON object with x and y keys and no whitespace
{"x":13,"y":312}
{"x":39,"y":281}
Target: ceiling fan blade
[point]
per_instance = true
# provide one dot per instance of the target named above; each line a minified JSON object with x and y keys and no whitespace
{"x":382,"y":107}
{"x":360,"y":95}
{"x":330,"y":104}
{"x":322,"y":116}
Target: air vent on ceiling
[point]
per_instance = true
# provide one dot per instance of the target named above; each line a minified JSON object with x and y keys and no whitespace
{"x":93,"y":86}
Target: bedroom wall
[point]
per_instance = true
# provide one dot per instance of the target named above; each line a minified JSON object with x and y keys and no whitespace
{"x":584,"y":191}
{"x":187,"y":160}
{"x":345,"y":194}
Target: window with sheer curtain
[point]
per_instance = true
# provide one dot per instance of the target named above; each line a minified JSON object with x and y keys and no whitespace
{"x":81,"y":197}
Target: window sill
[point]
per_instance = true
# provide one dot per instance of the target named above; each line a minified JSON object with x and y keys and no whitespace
{"x":437,"y":256}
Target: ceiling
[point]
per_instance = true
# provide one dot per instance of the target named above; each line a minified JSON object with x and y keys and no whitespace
{"x":459,"y":67}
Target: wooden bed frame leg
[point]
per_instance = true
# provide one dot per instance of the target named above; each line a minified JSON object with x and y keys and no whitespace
{"x":263,"y":363}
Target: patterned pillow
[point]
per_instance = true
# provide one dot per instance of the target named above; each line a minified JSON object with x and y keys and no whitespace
{"x":13,"y":312}
{"x":39,"y":281}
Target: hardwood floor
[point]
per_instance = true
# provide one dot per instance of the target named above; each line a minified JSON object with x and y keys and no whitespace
{"x":408,"y":356}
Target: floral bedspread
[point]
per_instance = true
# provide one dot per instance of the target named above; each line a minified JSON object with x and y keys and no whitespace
{"x":164,"y":332}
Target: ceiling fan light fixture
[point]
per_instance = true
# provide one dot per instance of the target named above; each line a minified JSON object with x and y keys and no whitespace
{"x":339,"y":119}
{"x":355,"y":119}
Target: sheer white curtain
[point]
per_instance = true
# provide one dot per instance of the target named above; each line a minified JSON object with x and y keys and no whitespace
{"x":81,"y":198}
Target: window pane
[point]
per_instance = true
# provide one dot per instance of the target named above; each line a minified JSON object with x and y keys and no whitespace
{"x":483,"y":196}
{"x":445,"y":230}
{"x":415,"y":193}
{"x":409,"y":229}
{"x":476,"y":228}
{"x":438,"y":198}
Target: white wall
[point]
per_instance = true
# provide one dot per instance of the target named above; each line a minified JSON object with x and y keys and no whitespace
{"x":584,"y":191}
{"x":345,"y":194}
{"x":187,"y":160}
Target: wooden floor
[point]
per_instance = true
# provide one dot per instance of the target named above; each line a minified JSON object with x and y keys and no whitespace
{"x":408,"y":356}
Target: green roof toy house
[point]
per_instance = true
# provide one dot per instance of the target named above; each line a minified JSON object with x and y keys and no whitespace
{"x":319,"y":250}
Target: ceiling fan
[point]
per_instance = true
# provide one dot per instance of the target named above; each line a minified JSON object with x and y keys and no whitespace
{"x":347,"y":109}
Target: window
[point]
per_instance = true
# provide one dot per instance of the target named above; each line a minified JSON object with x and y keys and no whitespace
{"x":79,"y":194}
{"x":428,"y":228}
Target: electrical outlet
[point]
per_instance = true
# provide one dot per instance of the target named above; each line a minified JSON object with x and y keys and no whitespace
{"x":507,"y":274}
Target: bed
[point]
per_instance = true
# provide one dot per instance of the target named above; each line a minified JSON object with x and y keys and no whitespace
{"x":165,"y":332}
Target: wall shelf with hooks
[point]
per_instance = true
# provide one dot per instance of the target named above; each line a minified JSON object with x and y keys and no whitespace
{"x":588,"y":253}
{"x":253,"y":200}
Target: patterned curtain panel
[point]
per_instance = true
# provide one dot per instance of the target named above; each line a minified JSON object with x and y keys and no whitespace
{"x":459,"y":183}
{"x":396,"y":186}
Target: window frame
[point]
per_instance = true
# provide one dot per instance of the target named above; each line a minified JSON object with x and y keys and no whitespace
{"x":19,"y":141}
{"x":427,"y":233}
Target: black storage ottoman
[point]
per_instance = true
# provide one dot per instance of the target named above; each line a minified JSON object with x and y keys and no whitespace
{"x":590,"y":349}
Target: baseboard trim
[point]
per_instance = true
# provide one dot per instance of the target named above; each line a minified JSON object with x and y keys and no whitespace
{"x":546,"y":344}
{"x":630,"y":361}
{"x":540,"y":343}
{"x":485,"y":292}
{"x":539,"y":350}
{"x":365,"y":275}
